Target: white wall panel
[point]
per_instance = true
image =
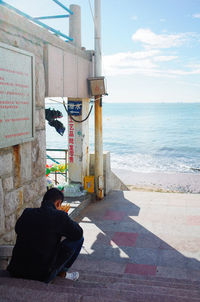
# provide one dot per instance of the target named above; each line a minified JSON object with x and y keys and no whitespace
{"x":66,"y":73}
{"x":83,"y":74}
{"x":55,"y":71}
{"x":70,"y":75}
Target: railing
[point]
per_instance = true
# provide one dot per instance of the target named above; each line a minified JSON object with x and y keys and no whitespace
{"x":36,"y":20}
{"x":58,"y":159}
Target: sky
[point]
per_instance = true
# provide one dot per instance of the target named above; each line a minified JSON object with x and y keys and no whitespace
{"x":150,"y":48}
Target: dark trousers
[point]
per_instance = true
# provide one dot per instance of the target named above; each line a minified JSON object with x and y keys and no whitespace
{"x":66,"y":254}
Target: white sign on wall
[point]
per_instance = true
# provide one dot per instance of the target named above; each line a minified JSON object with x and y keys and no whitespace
{"x":17,"y":96}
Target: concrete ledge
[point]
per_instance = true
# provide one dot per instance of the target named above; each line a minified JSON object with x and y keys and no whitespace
{"x":25,"y":25}
{"x":5,"y":255}
{"x":111,"y":180}
{"x":6,"y":251}
{"x":116,"y":183}
{"x":78,"y":204}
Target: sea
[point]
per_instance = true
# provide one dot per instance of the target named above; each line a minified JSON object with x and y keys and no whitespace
{"x":144,"y":137}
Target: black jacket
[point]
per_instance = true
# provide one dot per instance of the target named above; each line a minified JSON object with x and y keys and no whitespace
{"x":39,"y":231}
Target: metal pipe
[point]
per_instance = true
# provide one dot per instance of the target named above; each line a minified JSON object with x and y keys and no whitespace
{"x":99,"y":179}
{"x":51,"y":158}
{"x":97,"y":20}
{"x":34,"y":20}
{"x":51,"y":17}
{"x":75,"y":25}
{"x":64,"y":7}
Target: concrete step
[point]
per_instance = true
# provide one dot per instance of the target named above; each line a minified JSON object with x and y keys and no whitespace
{"x":26,"y":294}
{"x":105,"y":277}
{"x":138,"y":286}
{"x":28,"y":290}
{"x":116,"y":292}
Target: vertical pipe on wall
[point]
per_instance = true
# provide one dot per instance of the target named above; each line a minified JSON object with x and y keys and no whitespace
{"x":99,"y":181}
{"x":97,"y":28}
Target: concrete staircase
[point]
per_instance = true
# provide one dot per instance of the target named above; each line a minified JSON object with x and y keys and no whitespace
{"x":139,"y":247}
{"x":100,"y":287}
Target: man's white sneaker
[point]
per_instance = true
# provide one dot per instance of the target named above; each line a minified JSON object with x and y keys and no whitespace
{"x":72,"y":276}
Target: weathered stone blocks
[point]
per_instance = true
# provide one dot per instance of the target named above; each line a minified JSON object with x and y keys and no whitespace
{"x":40,"y":83}
{"x":8,"y":184}
{"x":13,"y":201}
{"x":34,"y":190}
{"x":2,"y":214}
{"x":39,"y":154}
{"x":8,"y":238}
{"x":26,"y":164}
{"x":40,"y":119}
{"x":10,"y":222}
{"x":6,"y":165}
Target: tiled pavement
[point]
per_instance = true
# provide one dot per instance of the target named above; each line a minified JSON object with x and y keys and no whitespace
{"x":139,"y":246}
{"x":145,"y":233}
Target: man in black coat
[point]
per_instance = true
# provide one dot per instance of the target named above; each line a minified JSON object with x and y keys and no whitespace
{"x":39,"y":252}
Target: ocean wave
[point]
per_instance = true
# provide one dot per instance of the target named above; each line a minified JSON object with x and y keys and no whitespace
{"x":149,"y":163}
{"x":160,"y":137}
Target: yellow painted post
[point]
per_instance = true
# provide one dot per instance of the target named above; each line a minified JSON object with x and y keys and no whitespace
{"x":99,"y":181}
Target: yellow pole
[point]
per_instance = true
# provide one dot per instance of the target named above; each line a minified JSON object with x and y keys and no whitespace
{"x":99,"y":179}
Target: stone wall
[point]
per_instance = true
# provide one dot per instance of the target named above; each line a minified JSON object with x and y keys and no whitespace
{"x":22,"y":167}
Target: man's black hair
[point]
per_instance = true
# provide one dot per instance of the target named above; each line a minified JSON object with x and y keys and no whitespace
{"x":52,"y":195}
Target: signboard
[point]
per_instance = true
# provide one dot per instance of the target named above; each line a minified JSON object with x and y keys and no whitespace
{"x":74,"y":107}
{"x":17,"y":96}
{"x":71,"y":139}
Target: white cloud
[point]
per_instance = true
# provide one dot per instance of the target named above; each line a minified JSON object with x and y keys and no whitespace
{"x":183,"y":72}
{"x":196,"y":16}
{"x":153,"y":59}
{"x":129,"y":62}
{"x":164,"y":58}
{"x":148,"y":63}
{"x":144,"y":54}
{"x":152,"y":40}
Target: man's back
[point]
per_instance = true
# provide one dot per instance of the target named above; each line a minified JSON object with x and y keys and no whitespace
{"x":39,"y":232}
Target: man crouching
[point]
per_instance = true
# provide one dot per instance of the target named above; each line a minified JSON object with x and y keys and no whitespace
{"x":39,"y":253}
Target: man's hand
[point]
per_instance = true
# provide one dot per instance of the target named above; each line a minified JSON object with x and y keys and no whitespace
{"x":65,"y":207}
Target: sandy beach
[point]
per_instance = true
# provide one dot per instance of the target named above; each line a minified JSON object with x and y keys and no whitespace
{"x":166,"y":182}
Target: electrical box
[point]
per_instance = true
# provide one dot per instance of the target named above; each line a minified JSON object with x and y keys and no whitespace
{"x":89,"y":184}
{"x":96,"y":86}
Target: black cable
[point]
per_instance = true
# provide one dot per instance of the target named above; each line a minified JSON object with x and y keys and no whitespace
{"x":72,"y":116}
